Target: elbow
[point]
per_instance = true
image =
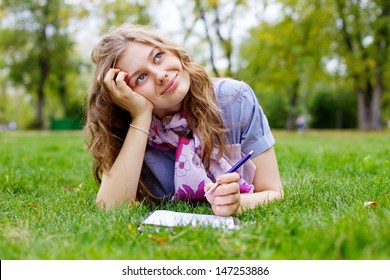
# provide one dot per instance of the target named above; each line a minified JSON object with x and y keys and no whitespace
{"x":280,"y":192}
{"x":103,"y":202}
{"x":109,"y":202}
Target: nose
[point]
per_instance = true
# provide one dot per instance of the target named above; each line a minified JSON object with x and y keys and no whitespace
{"x":161,"y":76}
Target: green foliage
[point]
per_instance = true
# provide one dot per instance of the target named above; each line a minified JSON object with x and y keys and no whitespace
{"x":333,"y":110}
{"x":284,"y":57}
{"x":276,"y":110}
{"x":40,"y":55}
{"x":386,"y":108}
{"x":275,"y":106}
{"x":285,"y":60}
{"x":290,"y":56}
{"x":117,"y":12}
{"x":48,"y":193}
{"x":16,"y":108}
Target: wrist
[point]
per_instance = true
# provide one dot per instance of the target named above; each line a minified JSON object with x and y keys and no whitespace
{"x":141,"y":119}
{"x":142,"y":113}
{"x":142,"y":122}
{"x":140,"y":129}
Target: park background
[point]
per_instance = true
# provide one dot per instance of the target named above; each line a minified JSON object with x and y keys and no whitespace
{"x":324,"y":60}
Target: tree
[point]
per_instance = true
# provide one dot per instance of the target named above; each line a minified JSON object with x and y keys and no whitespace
{"x":109,"y":14}
{"x":364,"y":28}
{"x":39,"y":38}
{"x":216,"y":20}
{"x":35,"y":31}
{"x":284,"y":57}
{"x":354,"y":33}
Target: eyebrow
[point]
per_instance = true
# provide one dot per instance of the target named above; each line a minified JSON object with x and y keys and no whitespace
{"x":136,"y":72}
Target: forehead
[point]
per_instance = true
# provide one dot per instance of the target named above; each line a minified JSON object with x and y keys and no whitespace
{"x":135,"y":52}
{"x":137,"y":48}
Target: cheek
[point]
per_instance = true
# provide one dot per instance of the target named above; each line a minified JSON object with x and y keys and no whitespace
{"x":144,"y":90}
{"x":186,"y":79}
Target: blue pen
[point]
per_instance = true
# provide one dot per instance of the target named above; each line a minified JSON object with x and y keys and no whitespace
{"x":231,"y":170}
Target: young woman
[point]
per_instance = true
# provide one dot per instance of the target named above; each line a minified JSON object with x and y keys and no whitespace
{"x":160,"y":127}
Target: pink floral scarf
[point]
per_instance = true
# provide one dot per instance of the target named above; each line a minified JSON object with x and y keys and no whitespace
{"x":190,"y":175}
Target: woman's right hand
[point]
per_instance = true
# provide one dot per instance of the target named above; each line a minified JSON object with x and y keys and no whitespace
{"x":225,"y":199}
{"x":123,"y":96}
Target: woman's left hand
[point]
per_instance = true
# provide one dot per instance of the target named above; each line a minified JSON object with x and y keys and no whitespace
{"x":225,"y":199}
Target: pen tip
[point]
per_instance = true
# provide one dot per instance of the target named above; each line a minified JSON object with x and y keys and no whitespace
{"x":251,"y":152}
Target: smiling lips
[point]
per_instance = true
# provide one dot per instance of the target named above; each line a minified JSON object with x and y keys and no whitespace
{"x":171,"y":85}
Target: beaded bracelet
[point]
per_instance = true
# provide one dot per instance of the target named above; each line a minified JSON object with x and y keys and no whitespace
{"x":140,"y":129}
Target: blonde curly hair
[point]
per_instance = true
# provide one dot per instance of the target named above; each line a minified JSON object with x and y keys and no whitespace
{"x":107,"y":124}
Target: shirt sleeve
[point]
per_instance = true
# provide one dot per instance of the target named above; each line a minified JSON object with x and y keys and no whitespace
{"x":244,"y":117}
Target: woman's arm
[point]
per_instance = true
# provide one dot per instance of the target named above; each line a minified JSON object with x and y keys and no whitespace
{"x":267,"y":182}
{"x":121,"y":182}
{"x":226,"y":200}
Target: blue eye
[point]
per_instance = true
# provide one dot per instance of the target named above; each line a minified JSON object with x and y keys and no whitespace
{"x":140,"y":78}
{"x":158,"y":56}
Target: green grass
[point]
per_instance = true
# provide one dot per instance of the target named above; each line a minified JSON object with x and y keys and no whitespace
{"x":47,"y":205}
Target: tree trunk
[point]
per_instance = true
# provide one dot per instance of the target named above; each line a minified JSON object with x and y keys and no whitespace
{"x":44,"y":72}
{"x":293,"y":106}
{"x":227,"y":43}
{"x":62,"y":92}
{"x":202,"y":15}
{"x":369,"y":108}
{"x":368,"y":93}
{"x":39,"y":123}
{"x":376,"y":122}
{"x":382,"y":42}
{"x":44,"y":57}
{"x":363,"y":110}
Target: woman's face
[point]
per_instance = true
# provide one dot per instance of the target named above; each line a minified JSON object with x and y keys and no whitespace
{"x":157,"y":75}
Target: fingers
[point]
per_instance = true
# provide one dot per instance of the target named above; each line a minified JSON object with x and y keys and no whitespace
{"x":225,"y":199}
{"x":115,"y":83}
{"x":226,"y":205}
{"x":120,"y":80}
{"x":223,"y":194}
{"x":115,"y":79}
{"x":109,"y":78}
{"x":226,"y":194}
{"x":226,"y":210}
{"x":226,"y":179}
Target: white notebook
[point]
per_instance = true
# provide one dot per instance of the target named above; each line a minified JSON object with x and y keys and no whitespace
{"x":165,"y":218}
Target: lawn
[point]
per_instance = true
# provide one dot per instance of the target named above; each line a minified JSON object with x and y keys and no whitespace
{"x":47,"y":205}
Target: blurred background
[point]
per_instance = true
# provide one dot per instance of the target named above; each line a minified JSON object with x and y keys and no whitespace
{"x":321,"y":64}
